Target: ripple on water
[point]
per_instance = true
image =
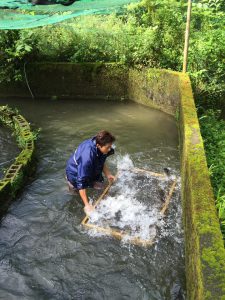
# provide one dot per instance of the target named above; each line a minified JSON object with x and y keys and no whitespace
{"x":44,"y":251}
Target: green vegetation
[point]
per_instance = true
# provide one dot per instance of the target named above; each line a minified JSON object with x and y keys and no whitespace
{"x":213,"y":132}
{"x":150,"y":33}
{"x":23,"y":164}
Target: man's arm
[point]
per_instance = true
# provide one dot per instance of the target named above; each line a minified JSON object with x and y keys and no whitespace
{"x":107,"y":173}
{"x":88,"y":208}
{"x":84,"y":197}
{"x":84,"y":174}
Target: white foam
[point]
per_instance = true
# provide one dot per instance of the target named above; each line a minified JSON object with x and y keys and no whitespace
{"x":124,"y":211}
{"x":124,"y":162}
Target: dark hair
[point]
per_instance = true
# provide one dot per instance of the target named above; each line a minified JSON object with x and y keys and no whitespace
{"x":104,"y":137}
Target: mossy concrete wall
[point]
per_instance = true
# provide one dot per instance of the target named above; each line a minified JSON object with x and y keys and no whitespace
{"x":67,"y":80}
{"x":155,"y":88}
{"x":171,"y":92}
{"x":204,"y":247}
{"x":23,"y":165}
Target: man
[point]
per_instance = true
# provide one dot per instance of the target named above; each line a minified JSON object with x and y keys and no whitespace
{"x":85,"y":166}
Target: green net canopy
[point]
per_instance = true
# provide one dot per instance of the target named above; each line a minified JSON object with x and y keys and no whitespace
{"x":19,"y":14}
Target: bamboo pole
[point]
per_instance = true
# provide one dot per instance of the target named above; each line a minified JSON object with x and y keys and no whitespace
{"x":138,"y":170}
{"x":106,"y":190}
{"x":168,"y":198}
{"x":120,"y":235}
{"x":117,"y":234}
{"x":187,"y":35}
{"x":123,"y":234}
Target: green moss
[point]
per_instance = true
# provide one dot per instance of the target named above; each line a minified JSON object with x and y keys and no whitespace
{"x":17,"y":183}
{"x":155,"y":88}
{"x":206,"y":264}
{"x":24,"y":157}
{"x":3,"y":185}
{"x":92,"y":80}
{"x":17,"y":173}
{"x":154,"y":75}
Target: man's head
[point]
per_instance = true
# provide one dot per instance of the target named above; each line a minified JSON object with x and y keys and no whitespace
{"x":104,"y":140}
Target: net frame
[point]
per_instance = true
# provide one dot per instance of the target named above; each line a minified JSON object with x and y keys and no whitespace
{"x":122,"y":234}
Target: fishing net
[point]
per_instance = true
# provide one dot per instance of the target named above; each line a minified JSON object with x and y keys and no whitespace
{"x":132,"y":209}
{"x":19,"y":14}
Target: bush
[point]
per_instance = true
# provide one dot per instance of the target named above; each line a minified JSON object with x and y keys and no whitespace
{"x":213,"y":133}
{"x":150,"y":33}
{"x":16,"y":48}
{"x":207,"y":60}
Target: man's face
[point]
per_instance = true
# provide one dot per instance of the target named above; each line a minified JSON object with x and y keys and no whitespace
{"x":105,"y":149}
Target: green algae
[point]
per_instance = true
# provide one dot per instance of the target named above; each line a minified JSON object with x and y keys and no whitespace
{"x":205,"y":266}
{"x":22,"y":166}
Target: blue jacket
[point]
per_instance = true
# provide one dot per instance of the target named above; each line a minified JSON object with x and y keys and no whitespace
{"x":85,"y":165}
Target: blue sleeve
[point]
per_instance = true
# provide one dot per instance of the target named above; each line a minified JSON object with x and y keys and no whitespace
{"x":85,"y":171}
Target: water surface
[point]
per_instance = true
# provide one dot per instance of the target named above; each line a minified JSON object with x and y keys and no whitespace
{"x":44,"y":251}
{"x":8,"y":148}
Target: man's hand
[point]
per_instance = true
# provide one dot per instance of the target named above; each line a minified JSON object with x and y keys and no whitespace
{"x":88,"y":209}
{"x":110,"y":177}
{"x":107,"y":173}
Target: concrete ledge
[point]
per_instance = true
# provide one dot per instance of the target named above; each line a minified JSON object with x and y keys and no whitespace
{"x":204,"y":247}
{"x":23,"y":165}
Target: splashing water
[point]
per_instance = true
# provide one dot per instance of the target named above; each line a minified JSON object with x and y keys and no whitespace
{"x":124,"y":162}
{"x":133,"y":203}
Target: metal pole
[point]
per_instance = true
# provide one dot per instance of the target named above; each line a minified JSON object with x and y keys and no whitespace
{"x":187,"y":34}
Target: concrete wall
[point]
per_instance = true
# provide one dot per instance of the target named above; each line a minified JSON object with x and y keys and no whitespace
{"x":171,"y":92}
{"x":155,"y":88}
{"x":204,"y":247}
{"x":67,"y":80}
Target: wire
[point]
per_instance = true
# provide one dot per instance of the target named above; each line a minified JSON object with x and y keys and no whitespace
{"x":24,"y":68}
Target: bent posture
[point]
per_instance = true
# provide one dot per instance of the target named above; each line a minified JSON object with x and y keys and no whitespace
{"x":85,"y":166}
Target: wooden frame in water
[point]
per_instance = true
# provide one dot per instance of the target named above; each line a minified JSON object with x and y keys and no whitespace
{"x":121,"y":234}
